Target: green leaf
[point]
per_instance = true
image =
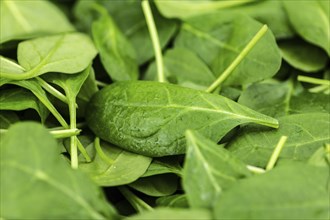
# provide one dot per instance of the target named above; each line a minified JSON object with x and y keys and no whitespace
{"x":321,"y":157}
{"x":20,"y":99}
{"x":66,"y":53}
{"x":10,"y":66}
{"x":37,"y":183}
{"x":311,"y":20}
{"x":128,"y":15}
{"x":127,"y":167}
{"x":178,"y":200}
{"x":19,"y":20}
{"x":150,"y":118}
{"x":303,"y":56}
{"x":208,"y":170}
{"x":157,"y":185}
{"x":163,"y":165}
{"x":218,"y":38}
{"x":183,"y":67}
{"x":306,"y":133}
{"x":116,"y":52}
{"x":291,"y":191}
{"x":7,"y":118}
{"x":173,"y":213}
{"x":184,"y":9}
{"x":279,"y":99}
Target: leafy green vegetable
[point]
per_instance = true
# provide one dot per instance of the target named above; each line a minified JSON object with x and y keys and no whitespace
{"x":223,"y":39}
{"x":311,"y":20}
{"x":278,"y":194}
{"x":255,"y":145}
{"x":66,"y":53}
{"x":7,"y":118}
{"x":150,"y":118}
{"x":33,"y":161}
{"x":117,"y":54}
{"x":163,"y":165}
{"x":208,"y":170}
{"x":125,"y":168}
{"x":19,"y":20}
{"x":179,"y":201}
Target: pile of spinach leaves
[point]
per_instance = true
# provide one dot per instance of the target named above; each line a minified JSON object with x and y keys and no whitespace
{"x":210,"y":109}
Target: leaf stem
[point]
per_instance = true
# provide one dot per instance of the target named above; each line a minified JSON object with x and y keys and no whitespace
{"x":276,"y":153}
{"x":256,"y":170}
{"x":238,"y":59}
{"x":49,"y":88}
{"x":154,"y":38}
{"x":100,"y":152}
{"x":137,"y":203}
{"x":58,"y":134}
{"x":101,"y":84}
{"x":314,"y":80}
{"x":73,"y":139}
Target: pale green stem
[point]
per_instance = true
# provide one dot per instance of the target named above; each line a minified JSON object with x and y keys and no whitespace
{"x":276,"y":153}
{"x":65,"y":133}
{"x":73,"y":139}
{"x":49,"y":88}
{"x":155,"y":40}
{"x":238,"y":59}
{"x":101,"y":84}
{"x":256,"y":170}
{"x":137,"y":203}
{"x":100,"y":152}
{"x":314,"y":80}
{"x":320,"y":88}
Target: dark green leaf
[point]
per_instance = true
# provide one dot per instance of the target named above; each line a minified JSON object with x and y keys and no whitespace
{"x":31,"y":167}
{"x":150,"y":118}
{"x":163,"y":165}
{"x":291,"y":191}
{"x":7,"y":118}
{"x":306,"y":133}
{"x":208,"y":170}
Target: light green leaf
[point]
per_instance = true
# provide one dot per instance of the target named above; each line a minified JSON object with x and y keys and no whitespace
{"x":10,"y":66}
{"x":157,"y":185}
{"x":311,"y":20}
{"x":127,"y":167}
{"x":306,"y":133}
{"x":173,"y":213}
{"x":31,"y":167}
{"x":150,"y":118}
{"x":20,"y":99}
{"x":178,"y":200}
{"x":28,"y":19}
{"x":291,"y":191}
{"x":208,"y":170}
{"x":303,"y":56}
{"x":66,"y":53}
{"x":218,"y":38}
{"x":116,"y":52}
{"x":183,"y":67}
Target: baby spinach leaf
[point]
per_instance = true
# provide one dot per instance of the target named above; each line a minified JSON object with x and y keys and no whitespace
{"x":127,"y":167}
{"x":303,"y":56}
{"x":188,"y":8}
{"x":218,"y":38}
{"x":311,"y":20}
{"x":179,"y":201}
{"x":10,"y":66}
{"x":31,"y":167}
{"x":321,"y":157}
{"x":208,"y":170}
{"x":19,"y":20}
{"x":163,"y":165}
{"x":157,"y":185}
{"x":306,"y":133}
{"x":150,"y":118}
{"x":185,"y":68}
{"x":279,"y":99}
{"x":66,"y":53}
{"x":116,"y":52}
{"x":20,"y":99}
{"x":291,"y":191}
{"x":7,"y":118}
{"x":173,"y":213}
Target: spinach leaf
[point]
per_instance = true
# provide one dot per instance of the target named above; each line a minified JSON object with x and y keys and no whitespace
{"x":306,"y":133}
{"x":116,"y":52}
{"x":126,"y":167}
{"x":163,"y":165}
{"x":19,"y":20}
{"x":150,"y":118}
{"x":157,"y":185}
{"x":173,"y":213}
{"x":185,"y":68}
{"x":291,"y":191}
{"x":31,"y":166}
{"x":179,"y":201}
{"x":66,"y":53}
{"x":311,"y":20}
{"x":208,"y":170}
{"x":303,"y":56}
{"x":10,"y":66}
{"x":321,"y":156}
{"x":20,"y":99}
{"x":222,"y":39}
